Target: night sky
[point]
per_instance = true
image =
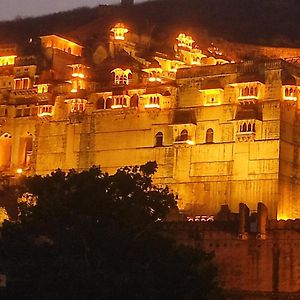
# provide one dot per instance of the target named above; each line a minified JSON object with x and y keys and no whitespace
{"x":9,"y":9}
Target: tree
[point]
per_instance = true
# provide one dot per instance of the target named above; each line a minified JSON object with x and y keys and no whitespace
{"x":91,"y":235}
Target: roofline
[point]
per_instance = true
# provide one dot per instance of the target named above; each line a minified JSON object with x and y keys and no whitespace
{"x":63,"y":38}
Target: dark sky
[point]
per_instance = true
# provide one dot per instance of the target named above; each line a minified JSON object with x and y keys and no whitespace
{"x":9,"y":9}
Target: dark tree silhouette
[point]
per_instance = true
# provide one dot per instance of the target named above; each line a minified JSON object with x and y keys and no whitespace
{"x":91,"y":235}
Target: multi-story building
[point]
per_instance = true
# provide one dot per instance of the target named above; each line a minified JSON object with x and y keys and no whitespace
{"x":221,"y":132}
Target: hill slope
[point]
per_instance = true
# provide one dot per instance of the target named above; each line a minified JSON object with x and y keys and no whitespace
{"x":265,"y":22}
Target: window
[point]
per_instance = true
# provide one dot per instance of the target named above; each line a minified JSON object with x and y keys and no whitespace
{"x":109,"y":103}
{"x":78,"y":105}
{"x":25,"y":83}
{"x":120,"y":101}
{"x":28,"y":151}
{"x":290,"y":92}
{"x":244,"y":128}
{"x":26,"y":112}
{"x":19,"y":112}
{"x":247,"y":127}
{"x":209,"y":137}
{"x":249,"y":91}
{"x":184,"y":135}
{"x":159,"y":139}
{"x":154,"y":100}
{"x":45,"y":110}
{"x":21,"y":83}
{"x":134,"y":101}
{"x":100,"y":103}
{"x":122,"y":77}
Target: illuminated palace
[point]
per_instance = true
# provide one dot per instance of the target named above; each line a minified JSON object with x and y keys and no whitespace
{"x":221,"y":132}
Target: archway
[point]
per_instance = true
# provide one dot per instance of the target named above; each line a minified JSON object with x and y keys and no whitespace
{"x":25,"y":150}
{"x":5,"y":150}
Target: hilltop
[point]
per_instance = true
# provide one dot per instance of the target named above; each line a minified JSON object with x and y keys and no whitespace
{"x":259,"y":22}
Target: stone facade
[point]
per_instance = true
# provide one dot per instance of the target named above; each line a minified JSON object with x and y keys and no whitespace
{"x":256,"y":258}
{"x":220,"y":132}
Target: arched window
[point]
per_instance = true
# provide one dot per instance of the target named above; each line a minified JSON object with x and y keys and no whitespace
{"x":184,"y":135}
{"x":100,"y":103}
{"x":244,"y":127}
{"x":109,"y":103}
{"x":247,"y":91}
{"x":5,"y":150}
{"x":253,"y":127}
{"x":286,"y":92}
{"x":134,"y":101}
{"x":159,"y":139}
{"x":28,"y":152}
{"x":129,"y":78}
{"x":251,"y":91}
{"x":249,"y":127}
{"x":209,"y":137}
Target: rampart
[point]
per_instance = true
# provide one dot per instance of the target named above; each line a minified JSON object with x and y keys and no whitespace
{"x":256,"y":258}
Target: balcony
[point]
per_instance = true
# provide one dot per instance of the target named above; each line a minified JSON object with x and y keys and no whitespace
{"x":24,"y":92}
{"x":152,"y":105}
{"x":248,"y":136}
{"x":184,"y":139}
{"x":45,"y":110}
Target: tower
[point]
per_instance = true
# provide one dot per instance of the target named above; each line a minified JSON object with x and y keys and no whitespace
{"x":127,"y":2}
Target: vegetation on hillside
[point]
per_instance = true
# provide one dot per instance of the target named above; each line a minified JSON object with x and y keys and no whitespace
{"x":266,"y":22}
{"x":91,"y":235}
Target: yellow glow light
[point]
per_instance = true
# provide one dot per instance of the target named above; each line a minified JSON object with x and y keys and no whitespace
{"x":7,"y":60}
{"x":42,"y":88}
{"x":120,"y":38}
{"x":80,"y":75}
{"x":118,"y":106}
{"x":119,"y":31}
{"x":189,"y":142}
{"x":43,"y":114}
{"x":185,"y":41}
{"x":154,"y":79}
{"x":248,"y":97}
{"x":153,"y":105}
{"x":291,"y":98}
{"x":19,"y":171}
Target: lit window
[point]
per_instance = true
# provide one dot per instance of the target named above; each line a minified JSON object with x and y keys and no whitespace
{"x":290,"y":93}
{"x":78,"y":105}
{"x":45,"y":110}
{"x":122,"y":77}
